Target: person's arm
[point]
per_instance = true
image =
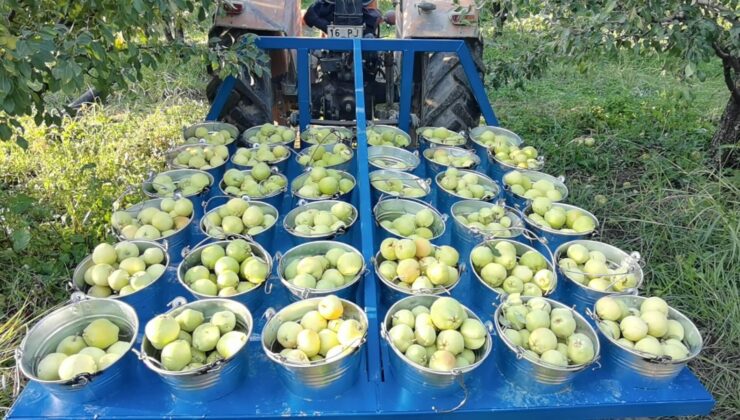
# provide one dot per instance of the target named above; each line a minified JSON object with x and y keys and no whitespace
{"x":318,"y":14}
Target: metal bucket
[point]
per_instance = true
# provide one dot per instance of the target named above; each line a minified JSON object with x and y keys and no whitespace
{"x":425,"y":143}
{"x":71,"y":319}
{"x":552,"y":239}
{"x":392,"y":208}
{"x":482,"y":150}
{"x":217,"y":172}
{"x":274,"y":199}
{"x":212,"y":381}
{"x":347,"y":291}
{"x":420,"y":379}
{"x":390,"y":293}
{"x":484,"y":295}
{"x":380,"y":129}
{"x":406,"y":179}
{"x":320,"y":379}
{"x":642,"y":370}
{"x":536,"y":376}
{"x":385,"y":157}
{"x":497,"y":169}
{"x":197,"y":199}
{"x":345,"y":166}
{"x":466,"y":238}
{"x":446,"y":199}
{"x":336,"y":134}
{"x":246,"y":138}
{"x":340,"y":235}
{"x":264,"y":238}
{"x":251,"y":298}
{"x":175,"y":243}
{"x":188,"y":132}
{"x":346,"y":197}
{"x":519,"y":202}
{"x":281,"y":164}
{"x":146,"y":301}
{"x":583,"y":297}
{"x":433,"y":167}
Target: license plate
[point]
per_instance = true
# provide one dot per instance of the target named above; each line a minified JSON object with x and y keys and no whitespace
{"x":345,"y":31}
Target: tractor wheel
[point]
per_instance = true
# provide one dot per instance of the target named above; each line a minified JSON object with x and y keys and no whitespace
{"x":447,"y":99}
{"x":250,"y":102}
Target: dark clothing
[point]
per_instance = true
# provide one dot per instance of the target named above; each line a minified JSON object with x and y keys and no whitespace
{"x":321,"y":14}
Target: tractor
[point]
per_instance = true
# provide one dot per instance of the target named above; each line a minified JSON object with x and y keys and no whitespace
{"x":442,"y":96}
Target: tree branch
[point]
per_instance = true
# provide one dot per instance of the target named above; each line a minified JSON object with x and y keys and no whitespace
{"x":731,"y":85}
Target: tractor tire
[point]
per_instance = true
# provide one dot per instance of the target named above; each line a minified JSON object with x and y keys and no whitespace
{"x":446,"y":98}
{"x":249,"y":103}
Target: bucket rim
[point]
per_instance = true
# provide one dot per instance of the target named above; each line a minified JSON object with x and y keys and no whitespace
{"x":384,"y":331}
{"x":374,"y":152}
{"x":246,"y":134}
{"x":517,"y":223}
{"x":329,"y":148}
{"x":309,"y":205}
{"x":553,"y":304}
{"x":575,"y":235}
{"x":151,"y":202}
{"x":436,"y":291}
{"x":226,"y":126}
{"x":475,"y":132}
{"x":480,"y":175}
{"x":222,"y":185}
{"x":146,"y":186}
{"x":558,"y":182}
{"x":307,"y":290}
{"x":171,"y":153}
{"x":79,"y":273}
{"x":307,"y":172}
{"x":414,"y":202}
{"x":255,"y":146}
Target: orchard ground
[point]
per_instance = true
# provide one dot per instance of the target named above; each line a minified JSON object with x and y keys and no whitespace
{"x":649,"y":162}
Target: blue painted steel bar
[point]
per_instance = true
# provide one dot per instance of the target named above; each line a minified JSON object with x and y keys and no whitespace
{"x":218,"y":103}
{"x":366,"y":218}
{"x":479,"y":90}
{"x":407,"y":79}
{"x":304,"y":89}
{"x":368,"y":44}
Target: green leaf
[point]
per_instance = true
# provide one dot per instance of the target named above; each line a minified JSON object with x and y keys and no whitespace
{"x":689,"y":69}
{"x":20,"y":239}
{"x":21,"y":142}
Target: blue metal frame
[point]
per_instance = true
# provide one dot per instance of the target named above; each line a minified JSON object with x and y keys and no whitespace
{"x":408,"y":48}
{"x":377,"y":391}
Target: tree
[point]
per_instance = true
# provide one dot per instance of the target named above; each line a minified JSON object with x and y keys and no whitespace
{"x":694,"y":31}
{"x":64,"y":46}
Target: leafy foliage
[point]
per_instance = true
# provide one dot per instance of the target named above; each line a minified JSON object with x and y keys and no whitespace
{"x":66,"y":46}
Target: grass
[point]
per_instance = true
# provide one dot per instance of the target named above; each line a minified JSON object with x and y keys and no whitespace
{"x":649,"y":160}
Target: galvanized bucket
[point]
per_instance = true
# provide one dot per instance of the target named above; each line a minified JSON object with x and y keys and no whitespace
{"x":445,"y":199}
{"x":433,"y":167}
{"x":319,"y":379}
{"x":345,"y":166}
{"x":552,"y":239}
{"x":485,"y":295}
{"x":519,"y":202}
{"x":212,"y":381}
{"x":336,"y":134}
{"x":264,"y":238}
{"x":146,"y":301}
{"x":393,"y":207}
{"x":197,"y":199}
{"x":174,"y":243}
{"x":246,"y":138}
{"x":251,"y":298}
{"x":380,"y":129}
{"x":641,"y":369}
{"x":340,"y":235}
{"x":211,"y":126}
{"x":281,"y":164}
{"x":390,"y":293}
{"x":392,"y":158}
{"x":347,"y":291}
{"x":408,"y":180}
{"x":425,"y":143}
{"x":420,"y":379}
{"x":497,"y":169}
{"x":482,"y":151}
{"x":217,"y":172}
{"x":465,"y":237}
{"x":347,"y":197}
{"x":274,"y":199}
{"x":536,"y":376}
{"x":583,"y":297}
{"x":44,"y":337}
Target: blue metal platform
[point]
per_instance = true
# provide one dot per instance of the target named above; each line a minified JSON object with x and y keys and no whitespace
{"x":376,"y":392}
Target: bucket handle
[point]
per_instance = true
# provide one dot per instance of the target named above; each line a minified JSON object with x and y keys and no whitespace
{"x":207,"y":202}
{"x":145,"y":357}
{"x":186,"y":250}
{"x":269,"y":313}
{"x":119,"y":199}
{"x":460,"y":378}
{"x":176,"y":302}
